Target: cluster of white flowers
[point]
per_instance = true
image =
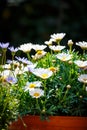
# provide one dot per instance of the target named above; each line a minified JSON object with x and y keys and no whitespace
{"x":40,"y":52}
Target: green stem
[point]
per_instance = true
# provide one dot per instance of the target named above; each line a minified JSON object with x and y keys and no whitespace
{"x":58,"y":42}
{"x":64,"y":97}
{"x":6,"y":101}
{"x":70,"y":49}
{"x":28,"y":55}
{"x":84,"y":86}
{"x":37,"y":104}
{"x":13,"y":54}
{"x":44,"y":104}
{"x":4,"y":56}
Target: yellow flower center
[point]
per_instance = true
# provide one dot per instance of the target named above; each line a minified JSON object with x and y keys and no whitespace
{"x":83,"y":47}
{"x":44,"y":76}
{"x":32,"y":85}
{"x":53,"y":69}
{"x":85,"y":79}
{"x":64,"y":58}
{"x":82,"y":65}
{"x":36,"y":94}
{"x":10,"y":81}
{"x":39,"y":52}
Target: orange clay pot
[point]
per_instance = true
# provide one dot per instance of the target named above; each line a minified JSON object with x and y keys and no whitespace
{"x":31,"y":122}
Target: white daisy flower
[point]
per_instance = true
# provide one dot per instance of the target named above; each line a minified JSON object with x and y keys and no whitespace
{"x":6,"y":66}
{"x":36,"y":93}
{"x":22,"y":69}
{"x":38,"y":47}
{"x":80,"y":63}
{"x":56,"y":48}
{"x":49,"y":42}
{"x":26,"y":47}
{"x":18,"y":71}
{"x":39,"y":55}
{"x":28,"y":67}
{"x":32,"y":85}
{"x":83,"y":78}
{"x":64,"y":56}
{"x":43,"y":73}
{"x":86,"y":88}
{"x":83,"y":45}
{"x":14,"y":62}
{"x":4,"y":74}
{"x":57,"y":37}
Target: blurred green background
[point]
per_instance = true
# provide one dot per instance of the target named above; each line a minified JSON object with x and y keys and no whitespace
{"x":24,"y":21}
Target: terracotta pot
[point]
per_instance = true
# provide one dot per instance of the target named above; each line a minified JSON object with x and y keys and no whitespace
{"x":55,"y":123}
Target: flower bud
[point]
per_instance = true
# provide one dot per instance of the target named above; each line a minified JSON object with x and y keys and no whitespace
{"x":43,"y":111}
{"x":70,"y":62}
{"x":81,"y":96}
{"x":70,"y":43}
{"x":68,"y":86}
